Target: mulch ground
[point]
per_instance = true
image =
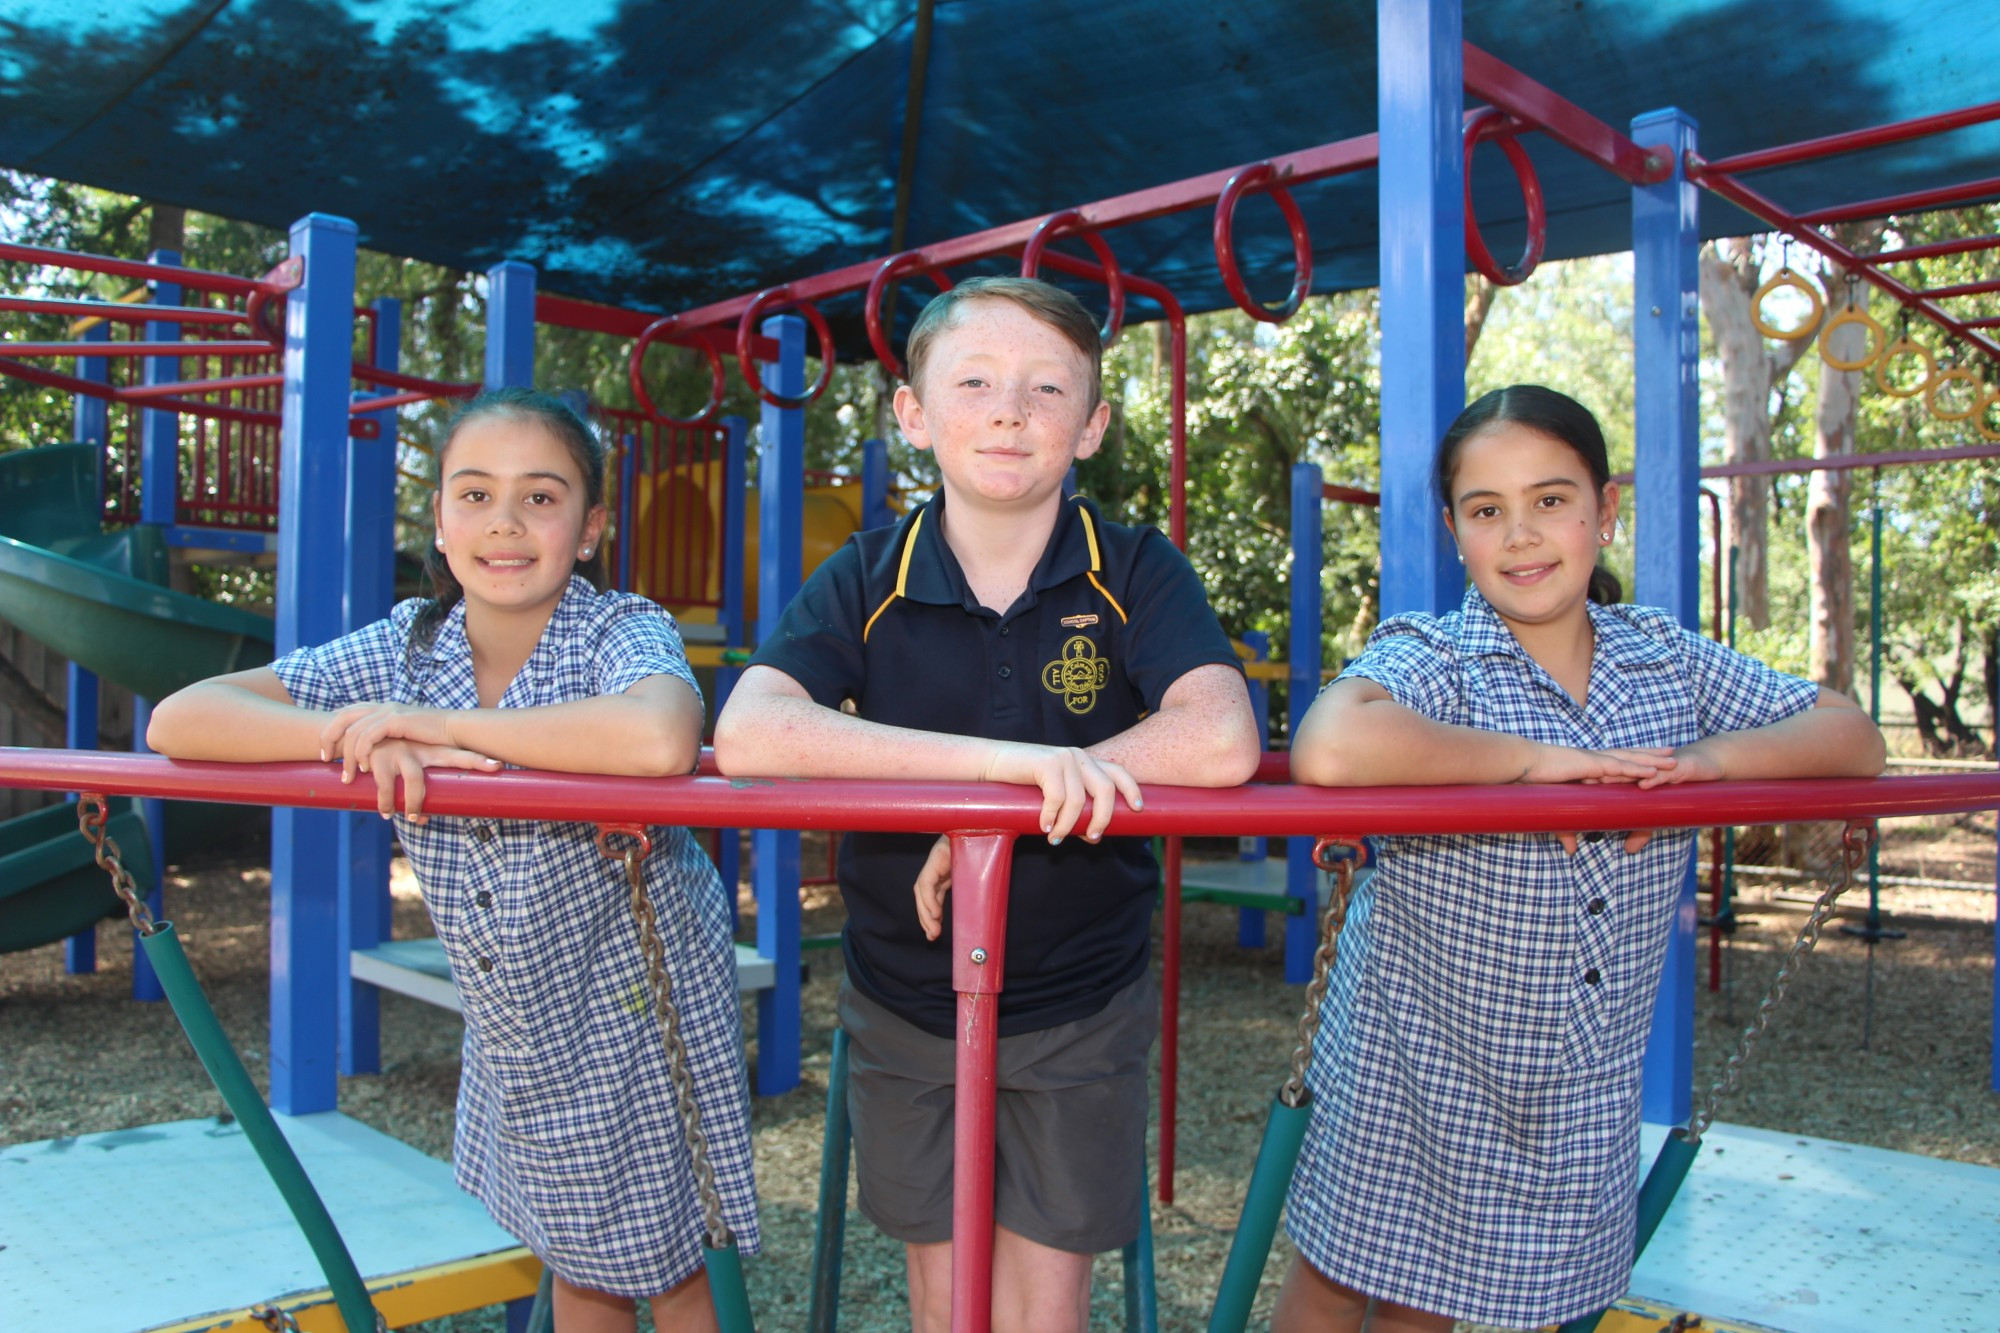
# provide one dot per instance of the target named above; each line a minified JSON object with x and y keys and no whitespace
{"x":1895,"y":1053}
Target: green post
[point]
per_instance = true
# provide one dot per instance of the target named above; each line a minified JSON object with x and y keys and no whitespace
{"x":1284,"y":1132}
{"x":726,"y":1291}
{"x":830,"y":1227}
{"x":232,"y":1080}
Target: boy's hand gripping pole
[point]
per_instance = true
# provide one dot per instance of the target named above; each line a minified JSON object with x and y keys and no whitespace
{"x":981,"y":862}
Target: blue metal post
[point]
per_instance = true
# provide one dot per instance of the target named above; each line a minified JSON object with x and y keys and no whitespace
{"x":370,"y":589}
{"x":1422,"y":214}
{"x":510,"y":325}
{"x":306,"y":967}
{"x":1249,"y":920}
{"x":735,"y":511}
{"x":875,"y":511}
{"x":1666,"y":345}
{"x":92,"y":426}
{"x":775,"y":853}
{"x":159,"y":495}
{"x":1302,"y":676}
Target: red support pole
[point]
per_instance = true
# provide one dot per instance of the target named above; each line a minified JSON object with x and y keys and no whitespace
{"x":1832,"y":145}
{"x":1170,"y":1019}
{"x":980,"y":864}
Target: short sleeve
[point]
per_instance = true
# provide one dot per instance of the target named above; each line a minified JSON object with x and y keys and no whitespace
{"x":639,"y":640}
{"x":1734,"y":692}
{"x":1172,"y":628}
{"x":1417,"y":664}
{"x":819,"y":637}
{"x":362,"y":667}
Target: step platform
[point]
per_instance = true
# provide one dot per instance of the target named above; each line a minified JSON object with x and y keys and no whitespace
{"x":1784,"y":1231}
{"x":176,"y":1227}
{"x":417,"y":968}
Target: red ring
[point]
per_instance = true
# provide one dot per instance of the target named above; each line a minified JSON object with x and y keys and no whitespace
{"x":1114,"y":277}
{"x":717,"y":378}
{"x":748,"y":364}
{"x":1225,"y":245}
{"x":1491,"y":122}
{"x":895,"y":266}
{"x":264,"y":302}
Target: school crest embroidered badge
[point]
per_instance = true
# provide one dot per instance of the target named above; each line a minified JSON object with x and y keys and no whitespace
{"x":1077,"y":675}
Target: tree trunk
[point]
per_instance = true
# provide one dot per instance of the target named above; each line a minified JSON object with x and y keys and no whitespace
{"x":166,"y":229}
{"x":1478,"y":306}
{"x":1729,"y":278}
{"x":1828,"y":549}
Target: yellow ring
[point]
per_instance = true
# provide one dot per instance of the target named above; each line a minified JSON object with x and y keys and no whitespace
{"x":1980,"y":413}
{"x":1878,"y":340}
{"x":1939,"y":381}
{"x":1784,"y":277}
{"x":1904,"y":347}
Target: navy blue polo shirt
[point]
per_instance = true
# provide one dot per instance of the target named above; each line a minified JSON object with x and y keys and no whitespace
{"x":1112,"y":617}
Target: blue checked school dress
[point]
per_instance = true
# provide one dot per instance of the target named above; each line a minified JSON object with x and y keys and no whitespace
{"x":568,"y":1130}
{"x":1473,"y":1150}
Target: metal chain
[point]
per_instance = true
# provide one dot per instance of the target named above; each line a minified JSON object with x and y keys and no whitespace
{"x":276,"y":1318}
{"x":661,"y":985}
{"x":92,"y":813}
{"x":1293,"y":1094}
{"x":1854,"y":844}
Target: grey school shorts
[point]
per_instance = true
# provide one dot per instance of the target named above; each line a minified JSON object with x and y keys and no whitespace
{"x":1070,"y":1124}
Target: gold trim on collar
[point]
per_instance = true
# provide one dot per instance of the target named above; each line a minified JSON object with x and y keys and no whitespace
{"x":1097,"y":563}
{"x":902,"y":575}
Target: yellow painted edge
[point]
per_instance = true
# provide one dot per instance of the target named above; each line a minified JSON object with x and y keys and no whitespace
{"x":402,"y":1298}
{"x":1280,"y":671}
{"x":1635,"y":1314}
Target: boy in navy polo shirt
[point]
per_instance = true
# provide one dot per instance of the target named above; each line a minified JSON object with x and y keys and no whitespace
{"x":1001,"y":632}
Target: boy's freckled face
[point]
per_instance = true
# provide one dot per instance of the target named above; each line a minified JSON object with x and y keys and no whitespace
{"x":1006,"y":404}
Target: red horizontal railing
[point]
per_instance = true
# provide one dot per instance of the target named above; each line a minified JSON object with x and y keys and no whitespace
{"x":936,"y":807}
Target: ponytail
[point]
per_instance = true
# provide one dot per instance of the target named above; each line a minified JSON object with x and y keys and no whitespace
{"x":1605,"y":589}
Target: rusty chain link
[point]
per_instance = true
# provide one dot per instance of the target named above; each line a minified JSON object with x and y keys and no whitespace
{"x":92,"y":813}
{"x":1342,"y":869}
{"x":276,"y":1318}
{"x":661,"y":985}
{"x":1854,"y":844}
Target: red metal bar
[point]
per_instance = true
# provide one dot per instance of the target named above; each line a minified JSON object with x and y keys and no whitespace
{"x":134,"y":392}
{"x":1352,"y":495}
{"x":1916,"y":201}
{"x":119,"y":351}
{"x":200,"y":279}
{"x":1755,"y":204}
{"x":119,"y":312}
{"x":1853,"y":141}
{"x":390,"y":379}
{"x":1963,"y":245}
{"x":981,"y":862}
{"x":364,"y":406}
{"x":1960,"y":289}
{"x":55,"y":379}
{"x":1170,"y":1016}
{"x":941,"y":807}
{"x":1490,"y":78}
{"x":1348,"y":155}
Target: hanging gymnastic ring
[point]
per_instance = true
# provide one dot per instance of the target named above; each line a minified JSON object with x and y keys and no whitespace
{"x":1939,"y":380}
{"x":1264,"y":174}
{"x":1114,"y":277}
{"x":1904,"y":347}
{"x":892,"y":268}
{"x":1878,"y":339}
{"x":1784,"y":277}
{"x":717,"y":377}
{"x":1492,"y":123}
{"x":748,"y":364}
{"x":1980,"y":413}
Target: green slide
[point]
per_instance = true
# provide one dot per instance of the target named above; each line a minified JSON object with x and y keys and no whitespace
{"x":100,"y":600}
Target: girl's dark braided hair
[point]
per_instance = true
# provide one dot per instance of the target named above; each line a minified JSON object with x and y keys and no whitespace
{"x":561,"y":421}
